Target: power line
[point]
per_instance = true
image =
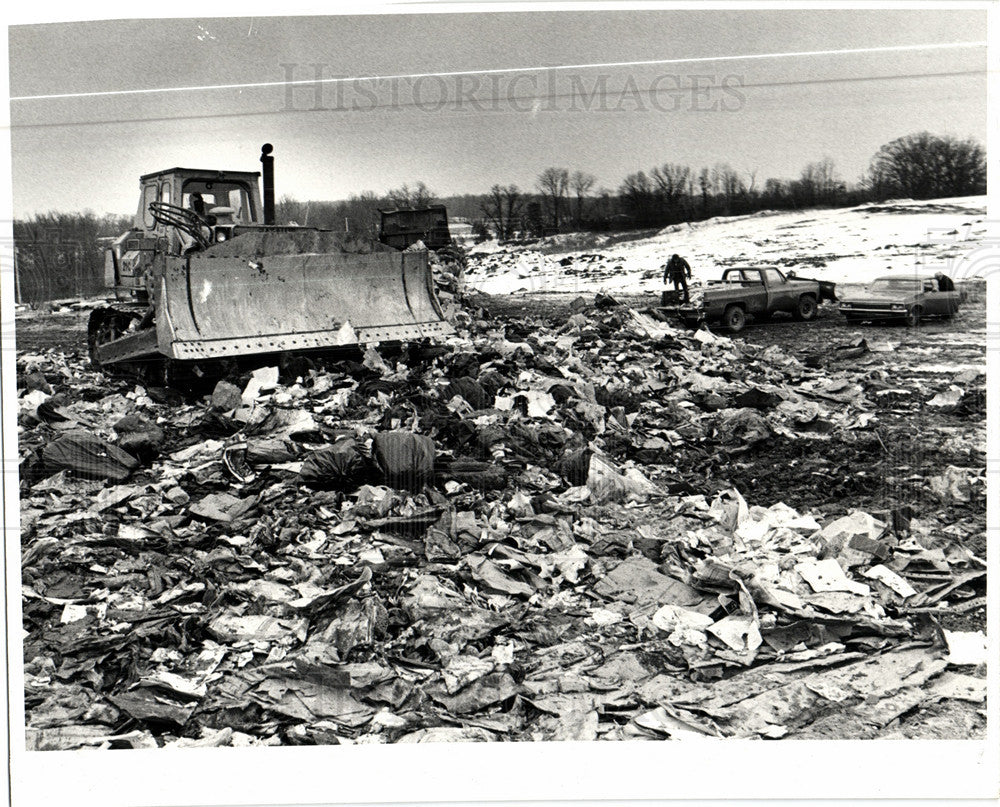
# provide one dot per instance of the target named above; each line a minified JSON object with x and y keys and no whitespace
{"x":502,"y":70}
{"x":452,"y":105}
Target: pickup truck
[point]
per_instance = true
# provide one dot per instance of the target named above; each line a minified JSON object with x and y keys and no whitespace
{"x":752,"y":292}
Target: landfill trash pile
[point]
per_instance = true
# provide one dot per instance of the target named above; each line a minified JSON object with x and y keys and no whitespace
{"x":528,"y":532}
{"x":448,"y":276}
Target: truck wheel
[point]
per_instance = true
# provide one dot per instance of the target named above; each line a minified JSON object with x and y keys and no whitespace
{"x":806,"y":309}
{"x":735,"y":318}
{"x":913,"y":316}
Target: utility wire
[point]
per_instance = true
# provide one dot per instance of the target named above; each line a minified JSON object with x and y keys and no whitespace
{"x":502,"y":70}
{"x":456,"y":104}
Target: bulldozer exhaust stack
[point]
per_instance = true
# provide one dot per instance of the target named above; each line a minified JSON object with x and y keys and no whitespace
{"x":267,"y":171}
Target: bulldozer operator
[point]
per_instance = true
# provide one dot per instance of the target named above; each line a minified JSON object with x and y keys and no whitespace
{"x":196,"y":204}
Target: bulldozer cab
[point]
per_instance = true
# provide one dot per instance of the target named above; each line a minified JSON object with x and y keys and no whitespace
{"x":230,"y":197}
{"x":200,"y":191}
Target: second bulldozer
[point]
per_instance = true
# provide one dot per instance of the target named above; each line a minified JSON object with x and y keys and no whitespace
{"x":206,"y":275}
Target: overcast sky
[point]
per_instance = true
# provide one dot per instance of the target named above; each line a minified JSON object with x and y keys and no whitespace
{"x":766,"y":116}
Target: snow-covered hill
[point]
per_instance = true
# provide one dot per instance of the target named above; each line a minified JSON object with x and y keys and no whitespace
{"x":849,"y":245}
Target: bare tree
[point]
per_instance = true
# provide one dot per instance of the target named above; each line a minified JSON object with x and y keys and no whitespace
{"x":581,"y":183}
{"x":727,"y":184}
{"x":671,"y":182}
{"x":553,"y":184}
{"x":876,"y":182}
{"x":492,"y":208}
{"x":502,"y":208}
{"x":359,"y":214}
{"x":638,"y":194}
{"x":704,"y":183}
{"x":603,"y":205}
{"x":926,"y":166}
{"x":775,"y":191}
{"x":405,"y":196}
{"x":818,"y":184}
{"x":830,"y":184}
{"x":514,"y":202}
{"x":289,"y":211}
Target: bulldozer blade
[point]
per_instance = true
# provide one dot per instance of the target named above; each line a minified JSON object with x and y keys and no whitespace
{"x":210,"y":307}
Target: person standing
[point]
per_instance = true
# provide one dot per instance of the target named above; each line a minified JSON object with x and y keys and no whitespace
{"x":677,"y":270}
{"x":944,"y":283}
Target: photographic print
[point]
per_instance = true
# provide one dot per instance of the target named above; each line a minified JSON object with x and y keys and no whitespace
{"x":592,"y":375}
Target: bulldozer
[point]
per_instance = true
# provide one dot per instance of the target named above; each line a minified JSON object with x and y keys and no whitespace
{"x":206,"y":277}
{"x":404,"y":227}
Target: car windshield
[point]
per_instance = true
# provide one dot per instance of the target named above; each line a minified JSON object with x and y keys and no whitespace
{"x":896,"y":284}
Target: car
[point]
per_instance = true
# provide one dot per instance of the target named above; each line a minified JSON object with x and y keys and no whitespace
{"x":907,"y":298}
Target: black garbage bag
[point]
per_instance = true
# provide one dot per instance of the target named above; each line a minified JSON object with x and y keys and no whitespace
{"x":463,"y":364}
{"x":474,"y":473}
{"x":471,"y":390}
{"x":756,"y":399}
{"x":406,"y":460}
{"x":340,"y":466}
{"x":32,"y":381}
{"x":610,"y":398}
{"x":523,"y":441}
{"x":448,"y":429}
{"x":552,"y":437}
{"x":139,"y":437}
{"x":89,"y":457}
{"x":574,"y":466}
{"x":561,"y":393}
{"x":488,"y":437}
{"x":493,"y":381}
{"x":271,"y":450}
{"x":48,"y":412}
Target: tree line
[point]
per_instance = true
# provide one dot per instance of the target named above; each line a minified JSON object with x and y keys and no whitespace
{"x":918,"y":166}
{"x":60,"y":255}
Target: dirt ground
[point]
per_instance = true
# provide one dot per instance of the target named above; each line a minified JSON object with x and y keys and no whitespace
{"x":38,"y":330}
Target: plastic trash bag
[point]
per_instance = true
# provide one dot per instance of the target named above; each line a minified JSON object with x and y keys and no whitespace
{"x":89,"y":457}
{"x":405,"y":459}
{"x":337,"y":467}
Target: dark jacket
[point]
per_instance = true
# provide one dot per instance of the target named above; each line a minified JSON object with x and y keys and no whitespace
{"x":676,"y":267}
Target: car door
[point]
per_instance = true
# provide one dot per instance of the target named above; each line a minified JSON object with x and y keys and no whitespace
{"x":780,"y":293}
{"x":933,"y":302}
{"x":755,"y":292}
{"x":949,"y":301}
{"x":954,"y":298}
